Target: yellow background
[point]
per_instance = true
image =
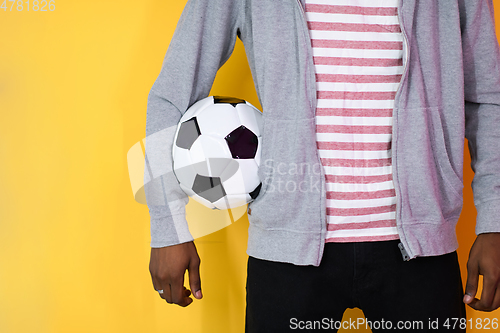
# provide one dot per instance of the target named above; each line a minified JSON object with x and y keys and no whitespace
{"x":74,"y":245}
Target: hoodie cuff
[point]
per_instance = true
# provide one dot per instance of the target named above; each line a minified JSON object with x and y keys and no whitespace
{"x":488,"y":217}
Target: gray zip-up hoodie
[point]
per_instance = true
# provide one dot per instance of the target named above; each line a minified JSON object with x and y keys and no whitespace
{"x":450,"y":89}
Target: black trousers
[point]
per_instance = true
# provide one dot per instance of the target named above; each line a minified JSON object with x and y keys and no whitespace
{"x":421,"y":295}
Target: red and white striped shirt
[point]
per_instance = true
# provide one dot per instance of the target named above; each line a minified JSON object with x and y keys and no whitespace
{"x":357,"y":48}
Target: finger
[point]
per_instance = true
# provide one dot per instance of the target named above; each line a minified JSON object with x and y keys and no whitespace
{"x":194,"y":278}
{"x":156,"y":283}
{"x":487,"y":295}
{"x":178,"y":292}
{"x":167,"y":294}
{"x":472,"y":282}
{"x":496,"y":301}
{"x":161,"y":286}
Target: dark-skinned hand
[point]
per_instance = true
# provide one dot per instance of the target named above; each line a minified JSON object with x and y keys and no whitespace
{"x":484,"y":259}
{"x":167,"y":266}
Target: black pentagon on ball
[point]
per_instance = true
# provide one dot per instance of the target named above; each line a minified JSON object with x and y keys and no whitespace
{"x":255,"y":192}
{"x":209,"y":188}
{"x":228,"y":100}
{"x":188,"y":133}
{"x":242,"y":143}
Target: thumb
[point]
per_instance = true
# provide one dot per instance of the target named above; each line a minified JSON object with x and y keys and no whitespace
{"x":194,"y":278}
{"x":472,"y":282}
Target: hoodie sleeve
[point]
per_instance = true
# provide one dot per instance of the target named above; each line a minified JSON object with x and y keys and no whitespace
{"x":202,"y":42}
{"x":481,"y":61}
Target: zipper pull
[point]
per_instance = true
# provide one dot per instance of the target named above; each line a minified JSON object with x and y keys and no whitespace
{"x":405,"y":255}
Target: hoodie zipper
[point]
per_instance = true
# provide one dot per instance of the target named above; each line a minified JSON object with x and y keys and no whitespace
{"x":313,"y":105}
{"x":406,"y":55}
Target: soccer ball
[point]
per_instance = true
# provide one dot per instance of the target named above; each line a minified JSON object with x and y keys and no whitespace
{"x":216,"y":152}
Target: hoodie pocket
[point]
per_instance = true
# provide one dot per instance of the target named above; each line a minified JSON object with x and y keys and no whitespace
{"x":442,"y":158}
{"x":291,"y":177}
{"x":431,"y":189}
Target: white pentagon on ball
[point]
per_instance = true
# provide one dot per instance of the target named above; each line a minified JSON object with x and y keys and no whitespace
{"x":216,"y":152}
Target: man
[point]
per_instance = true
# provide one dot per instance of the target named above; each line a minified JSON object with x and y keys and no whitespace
{"x":445,"y":84}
